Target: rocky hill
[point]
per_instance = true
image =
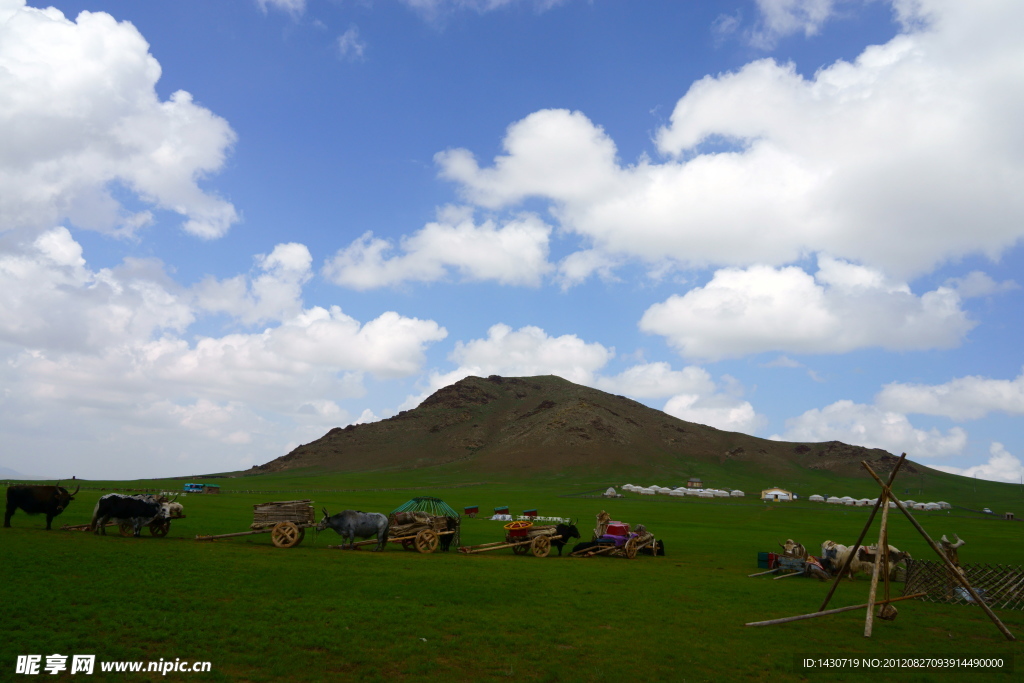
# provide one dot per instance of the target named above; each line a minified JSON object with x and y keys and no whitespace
{"x":548,"y":424}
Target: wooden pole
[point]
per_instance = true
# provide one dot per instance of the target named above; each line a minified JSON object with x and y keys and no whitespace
{"x":770,"y":571}
{"x":869,"y":620}
{"x":871,"y":518}
{"x":812,"y":615}
{"x":240,"y":533}
{"x":959,"y":577}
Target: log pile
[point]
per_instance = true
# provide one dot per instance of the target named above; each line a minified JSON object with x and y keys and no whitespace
{"x":268,"y":514}
{"x":412,"y":522}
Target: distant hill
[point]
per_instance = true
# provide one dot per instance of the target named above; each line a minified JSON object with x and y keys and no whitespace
{"x":533,"y":425}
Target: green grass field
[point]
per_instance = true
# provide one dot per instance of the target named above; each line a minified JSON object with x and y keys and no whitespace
{"x":259,"y":613}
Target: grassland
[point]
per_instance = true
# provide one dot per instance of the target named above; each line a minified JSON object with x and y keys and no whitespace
{"x":312,"y":614}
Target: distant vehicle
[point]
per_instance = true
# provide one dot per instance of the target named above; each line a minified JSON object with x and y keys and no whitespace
{"x":194,"y":488}
{"x":986,"y":511}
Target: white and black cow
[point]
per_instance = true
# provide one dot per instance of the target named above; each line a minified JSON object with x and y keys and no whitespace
{"x":139,"y":511}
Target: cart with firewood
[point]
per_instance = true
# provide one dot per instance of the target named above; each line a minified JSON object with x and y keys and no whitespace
{"x":285,"y":521}
{"x":616,"y":539}
{"x":522,"y":537}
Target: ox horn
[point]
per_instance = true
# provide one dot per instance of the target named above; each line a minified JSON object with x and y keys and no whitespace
{"x":76,"y":491}
{"x":959,"y":542}
{"x":944,"y":539}
{"x":326,"y":513}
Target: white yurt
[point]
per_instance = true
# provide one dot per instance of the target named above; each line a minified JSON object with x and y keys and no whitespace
{"x":706,"y":494}
{"x":919,"y":506}
{"x":816,"y":498}
{"x":932,"y":506}
{"x":892,"y":505}
{"x":909,"y":503}
{"x":943,"y":505}
{"x":864,"y":502}
{"x":736,"y":493}
{"x":834,"y":500}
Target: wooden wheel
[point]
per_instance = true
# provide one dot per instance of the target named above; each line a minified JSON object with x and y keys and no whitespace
{"x":126,"y":529}
{"x":521,"y":549}
{"x":541,"y":546}
{"x":160,"y":529}
{"x":285,"y":534}
{"x":426,"y":541}
{"x":630,"y":549}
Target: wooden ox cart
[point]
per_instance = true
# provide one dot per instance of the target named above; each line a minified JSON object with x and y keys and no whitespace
{"x":285,"y":521}
{"x":616,"y":539}
{"x":522,"y":537}
{"x":158,"y":527}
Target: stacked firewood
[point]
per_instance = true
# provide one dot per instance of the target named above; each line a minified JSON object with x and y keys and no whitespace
{"x":268,"y":514}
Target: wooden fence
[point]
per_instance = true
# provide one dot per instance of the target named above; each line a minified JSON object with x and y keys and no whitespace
{"x":1001,"y":587}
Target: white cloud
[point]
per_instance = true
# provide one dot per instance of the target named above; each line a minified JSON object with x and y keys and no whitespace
{"x":964,"y":398}
{"x":104,"y":359}
{"x":81,"y":116}
{"x":781,"y":18}
{"x":1001,"y":466}
{"x":908,"y":157}
{"x":842,"y":308}
{"x":293,"y":7}
{"x":273,"y":295}
{"x":433,"y":8}
{"x":719,"y":410}
{"x":514,"y":254}
{"x":50,"y":299}
{"x":351,"y":46}
{"x":873,"y":427}
{"x":976,"y":284}
{"x":657,"y":380}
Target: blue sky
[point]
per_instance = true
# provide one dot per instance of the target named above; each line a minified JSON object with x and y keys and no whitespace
{"x":226,"y":228}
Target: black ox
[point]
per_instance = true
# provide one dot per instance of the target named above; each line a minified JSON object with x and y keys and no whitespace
{"x":37,"y":500}
{"x":139,"y":511}
{"x":566,"y":531}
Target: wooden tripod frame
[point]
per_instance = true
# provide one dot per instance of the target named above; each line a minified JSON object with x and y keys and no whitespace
{"x":882,"y":562}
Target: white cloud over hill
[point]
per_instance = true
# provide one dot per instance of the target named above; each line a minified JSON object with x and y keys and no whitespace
{"x":873,"y":427}
{"x":841,"y":308}
{"x":963,"y":398}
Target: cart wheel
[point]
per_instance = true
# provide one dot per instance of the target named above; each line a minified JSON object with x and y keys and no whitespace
{"x":426,"y":541}
{"x":630,"y":549}
{"x":541,"y":546}
{"x":285,"y":535}
{"x":521,"y":549}
{"x":408,"y":544}
{"x":160,"y":529}
{"x":126,"y":529}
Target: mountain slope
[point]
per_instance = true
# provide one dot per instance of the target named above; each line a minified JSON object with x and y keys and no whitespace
{"x":548,"y":424}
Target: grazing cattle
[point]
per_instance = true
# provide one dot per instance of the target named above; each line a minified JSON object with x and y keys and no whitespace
{"x":566,"y":531}
{"x":36,"y":500}
{"x":138,"y":511}
{"x":353,"y":523}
